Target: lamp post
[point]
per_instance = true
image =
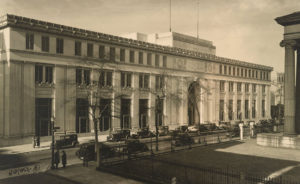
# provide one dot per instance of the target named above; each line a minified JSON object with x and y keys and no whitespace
{"x":52,"y":144}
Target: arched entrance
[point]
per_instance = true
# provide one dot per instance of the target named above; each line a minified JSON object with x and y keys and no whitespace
{"x":194,"y":103}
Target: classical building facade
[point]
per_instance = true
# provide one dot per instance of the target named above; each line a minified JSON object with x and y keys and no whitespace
{"x":50,"y":70}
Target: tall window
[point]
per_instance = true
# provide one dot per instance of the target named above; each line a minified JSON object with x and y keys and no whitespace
{"x":239,"y":87}
{"x":220,"y":69}
{"x":254,"y":88}
{"x":229,"y":70}
{"x":149,"y":59}
{"x":59,"y":45}
{"x":131,"y":56}
{"x":242,"y":72}
{"x":144,"y":81}
{"x":246,"y":72}
{"x":112,"y":54}
{"x":263,"y":110}
{"x":246,"y":87}
{"x":233,"y":71}
{"x":141,"y":58}
{"x":90,"y":50}
{"x":143,"y":113}
{"x":43,"y":74}
{"x":164,"y":61}
{"x":249,"y":73}
{"x":263,"y":89}
{"x":125,"y":114}
{"x":253,"y":108}
{"x":253,"y":74}
{"x":105,"y":78}
{"x":77,"y":48}
{"x":222,"y":86}
{"x":230,"y":110}
{"x":45,"y":43}
{"x":83,"y":76}
{"x":225,"y":70}
{"x":122,"y":55}
{"x":239,"y":109}
{"x":101,"y":51}
{"x":29,"y":41}
{"x":159,"y":82}
{"x":156,"y":60}
{"x":256,"y":74}
{"x":221,"y":110}
{"x":230,"y":86}
{"x":238,"y":72}
{"x":125,"y":79}
{"x":246,"y":109}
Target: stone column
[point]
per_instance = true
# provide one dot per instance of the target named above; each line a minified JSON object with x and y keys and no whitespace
{"x":289,"y":86}
{"x":297,"y":123}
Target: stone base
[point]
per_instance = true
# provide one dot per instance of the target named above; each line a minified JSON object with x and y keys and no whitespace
{"x":278,"y":140}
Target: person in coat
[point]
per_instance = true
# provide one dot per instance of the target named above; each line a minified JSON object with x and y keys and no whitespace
{"x":64,"y":159}
{"x":56,"y":159}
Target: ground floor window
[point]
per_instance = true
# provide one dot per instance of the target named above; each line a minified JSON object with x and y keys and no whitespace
{"x":143,"y":113}
{"x":43,"y":108}
{"x":246,"y":109}
{"x":221,"y":110}
{"x":263,"y":111}
{"x":125,"y":119}
{"x":105,"y":116}
{"x":230,"y":110}
{"x":82,"y":115}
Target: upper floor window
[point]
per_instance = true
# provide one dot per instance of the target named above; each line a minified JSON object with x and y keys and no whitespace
{"x":45,"y":43}
{"x":83,"y":76}
{"x":149,"y":59}
{"x":144,"y":81}
{"x":122,"y":55}
{"x":238,"y":72}
{"x":254,"y":88}
{"x":225,"y":70}
{"x":246,"y":72}
{"x":101,"y":51}
{"x":229,"y":70}
{"x":239,"y":87}
{"x":59,"y":45}
{"x":249,"y":73}
{"x":256,"y":74}
{"x":90,"y":50}
{"x":246,"y":87}
{"x":233,"y":71}
{"x":141,"y":55}
{"x":242,"y":72}
{"x":230,"y":86}
{"x":220,"y":69}
{"x":43,"y":74}
{"x":29,"y":41}
{"x":105,"y":79}
{"x":131,"y":56}
{"x":222,"y":86}
{"x":164,"y":61}
{"x":112,"y":54}
{"x":125,"y":79}
{"x":156,"y":60}
{"x":253,"y":75}
{"x":77,"y":48}
{"x":267,"y":76}
{"x":159,"y":82}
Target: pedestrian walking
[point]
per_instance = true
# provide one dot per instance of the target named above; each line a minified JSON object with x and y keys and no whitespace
{"x":64,"y":159}
{"x":56,"y":159}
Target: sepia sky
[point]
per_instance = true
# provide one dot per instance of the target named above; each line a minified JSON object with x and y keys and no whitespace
{"x":240,"y":29}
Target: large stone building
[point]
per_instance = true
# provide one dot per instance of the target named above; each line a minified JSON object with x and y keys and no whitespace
{"x":51,"y":70}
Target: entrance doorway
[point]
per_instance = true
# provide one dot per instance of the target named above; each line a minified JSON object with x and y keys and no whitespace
{"x":43,"y":108}
{"x":193,"y":103}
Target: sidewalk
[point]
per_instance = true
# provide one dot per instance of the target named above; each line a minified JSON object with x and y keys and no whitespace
{"x":25,"y":148}
{"x":79,"y":174}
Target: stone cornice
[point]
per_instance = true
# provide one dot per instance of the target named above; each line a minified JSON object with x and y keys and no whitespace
{"x":37,"y":25}
{"x":293,"y":18}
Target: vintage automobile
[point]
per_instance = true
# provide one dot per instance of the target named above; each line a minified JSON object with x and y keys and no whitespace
{"x":163,"y":130}
{"x":143,"y":133}
{"x":134,"y":146}
{"x":65,"y":141}
{"x":87,"y":150}
{"x":119,"y":135}
{"x":182,"y":139}
{"x":194,"y":129}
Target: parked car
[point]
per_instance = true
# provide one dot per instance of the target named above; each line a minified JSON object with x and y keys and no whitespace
{"x":183,"y":139}
{"x":194,"y":129}
{"x":65,"y":141}
{"x":163,"y":130}
{"x":180,"y":129}
{"x":135,"y":146}
{"x":119,"y":135}
{"x":86,"y":150}
{"x":143,"y":133}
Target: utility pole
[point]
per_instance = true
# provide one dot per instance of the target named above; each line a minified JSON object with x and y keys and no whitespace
{"x":198,"y":20}
{"x":170,"y":16}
